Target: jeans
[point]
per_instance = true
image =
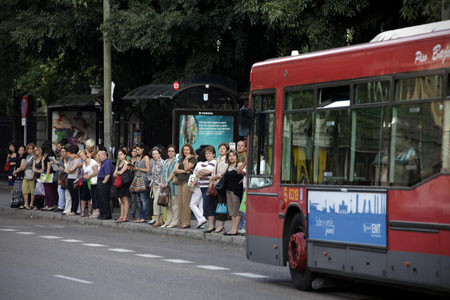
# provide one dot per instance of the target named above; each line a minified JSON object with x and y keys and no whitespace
{"x":94,"y":196}
{"x":62,"y":198}
{"x":142,"y":201}
{"x":242,"y":224}
{"x":134,"y":209}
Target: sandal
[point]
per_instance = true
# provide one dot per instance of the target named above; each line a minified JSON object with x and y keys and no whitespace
{"x":125,"y":220}
{"x":119,"y":220}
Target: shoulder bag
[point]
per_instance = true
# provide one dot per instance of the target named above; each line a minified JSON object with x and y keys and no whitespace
{"x":127,"y":177}
{"x":7,"y":166}
{"x":78,"y":183}
{"x":138,"y":184}
{"x":164,"y":197}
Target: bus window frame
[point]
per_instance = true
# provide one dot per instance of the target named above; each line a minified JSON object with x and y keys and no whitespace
{"x":445,"y":96}
{"x":250,"y":163}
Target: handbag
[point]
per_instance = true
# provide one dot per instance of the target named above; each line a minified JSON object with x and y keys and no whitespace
{"x":118,"y":182}
{"x":211,"y":189}
{"x":63,"y":181}
{"x":29,"y":174}
{"x":78,"y":183}
{"x":221,"y":208}
{"x":138,"y":184}
{"x":219,"y":185}
{"x":191,"y":180}
{"x":164,"y":197}
{"x":127,"y":177}
{"x":175,"y":179}
{"x":7,"y":166}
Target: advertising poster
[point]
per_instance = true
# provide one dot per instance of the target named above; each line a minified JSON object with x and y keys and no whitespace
{"x":205,"y":129}
{"x":76,"y":126}
{"x":347,"y":217}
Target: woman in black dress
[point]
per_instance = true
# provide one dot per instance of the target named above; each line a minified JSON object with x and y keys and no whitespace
{"x":123,"y":192}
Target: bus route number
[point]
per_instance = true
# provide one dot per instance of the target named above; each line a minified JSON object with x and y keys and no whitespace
{"x":293,"y":195}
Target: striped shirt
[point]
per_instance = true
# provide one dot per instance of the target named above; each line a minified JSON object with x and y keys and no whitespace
{"x":203,"y":182}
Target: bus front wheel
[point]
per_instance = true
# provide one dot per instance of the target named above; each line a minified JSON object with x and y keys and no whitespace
{"x":300,"y":274}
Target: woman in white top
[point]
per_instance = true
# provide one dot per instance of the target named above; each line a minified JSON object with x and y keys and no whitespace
{"x":90,"y":171}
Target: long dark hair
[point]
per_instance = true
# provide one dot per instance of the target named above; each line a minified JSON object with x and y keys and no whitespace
{"x":15,"y":148}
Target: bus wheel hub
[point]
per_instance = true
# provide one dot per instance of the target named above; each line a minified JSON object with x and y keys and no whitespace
{"x":297,"y":251}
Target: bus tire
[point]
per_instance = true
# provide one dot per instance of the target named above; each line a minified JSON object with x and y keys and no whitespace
{"x":301,"y":276}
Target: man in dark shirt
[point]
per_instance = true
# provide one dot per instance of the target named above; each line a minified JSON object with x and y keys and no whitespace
{"x":104,"y":184}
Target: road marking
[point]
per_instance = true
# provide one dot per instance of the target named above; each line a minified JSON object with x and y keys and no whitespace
{"x":72,"y":241}
{"x":251,"y":275}
{"x":178,"y":261}
{"x":25,"y":232}
{"x":120,"y":250}
{"x":73,"y":279}
{"x":94,"y":245}
{"x":149,"y":255}
{"x":213,"y":268}
{"x":8,"y":229}
{"x":50,"y":237}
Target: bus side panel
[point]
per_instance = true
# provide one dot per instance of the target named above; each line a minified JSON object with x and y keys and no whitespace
{"x":417,"y":206}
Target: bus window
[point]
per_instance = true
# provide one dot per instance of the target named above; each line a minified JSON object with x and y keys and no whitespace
{"x":372,"y":92}
{"x":262,"y":139}
{"x":299,"y":99}
{"x":296,"y":165}
{"x":415,"y":142}
{"x":370,"y":146}
{"x":331,"y":146}
{"x":424,"y":87}
{"x":334,"y":97}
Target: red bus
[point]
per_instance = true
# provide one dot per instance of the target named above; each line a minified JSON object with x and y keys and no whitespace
{"x":349,"y":161}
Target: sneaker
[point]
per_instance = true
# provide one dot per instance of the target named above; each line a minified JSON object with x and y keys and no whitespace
{"x":71,"y":214}
{"x":151,"y":222}
{"x":242,"y":231}
{"x":35,"y":208}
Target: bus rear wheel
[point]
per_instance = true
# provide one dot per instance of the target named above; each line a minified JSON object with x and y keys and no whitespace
{"x":301,"y":276}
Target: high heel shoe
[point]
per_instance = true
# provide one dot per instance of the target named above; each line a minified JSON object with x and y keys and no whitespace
{"x":220,"y":230}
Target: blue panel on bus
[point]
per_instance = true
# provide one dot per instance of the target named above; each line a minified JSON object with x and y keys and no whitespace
{"x":347,"y":217}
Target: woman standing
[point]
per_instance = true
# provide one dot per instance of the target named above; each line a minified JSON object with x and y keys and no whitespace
{"x":142,"y":169}
{"x":185,"y":167}
{"x":196,"y":204}
{"x":90,"y":171}
{"x":156,"y":184}
{"x":233,"y":186}
{"x":13,"y":160}
{"x":123,"y":192}
{"x":134,"y":196}
{"x":61,"y":177}
{"x":50,"y":183}
{"x":219,"y":172}
{"x":166,"y":180}
{"x":38,"y":170}
{"x":18,"y":174}
{"x":72,"y":170}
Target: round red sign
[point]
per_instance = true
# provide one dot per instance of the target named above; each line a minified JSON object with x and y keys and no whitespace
{"x":176,"y":86}
{"x":24,"y":106}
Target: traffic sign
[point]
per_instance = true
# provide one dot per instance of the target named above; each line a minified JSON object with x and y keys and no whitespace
{"x":24,"y":106}
{"x":176,"y":86}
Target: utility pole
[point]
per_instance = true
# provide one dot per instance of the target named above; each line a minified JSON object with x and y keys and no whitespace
{"x":107,"y":106}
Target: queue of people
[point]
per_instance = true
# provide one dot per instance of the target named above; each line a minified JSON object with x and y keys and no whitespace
{"x":158,"y":187}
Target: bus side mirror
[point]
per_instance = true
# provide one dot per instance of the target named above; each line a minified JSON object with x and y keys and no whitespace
{"x":245,"y":121}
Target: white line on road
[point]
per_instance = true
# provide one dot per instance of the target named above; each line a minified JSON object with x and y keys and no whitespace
{"x":120,"y":250}
{"x":213,"y":268}
{"x":178,"y":261}
{"x":50,"y":237}
{"x":149,"y":255}
{"x":251,"y":275}
{"x":73,"y":279}
{"x":72,"y":241}
{"x":8,"y":229}
{"x":94,"y":245}
{"x":25,"y":232}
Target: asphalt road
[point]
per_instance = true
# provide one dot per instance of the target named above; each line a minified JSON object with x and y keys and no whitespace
{"x":49,"y":259}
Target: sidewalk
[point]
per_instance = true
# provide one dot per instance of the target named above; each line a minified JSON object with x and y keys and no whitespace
{"x":238,"y":241}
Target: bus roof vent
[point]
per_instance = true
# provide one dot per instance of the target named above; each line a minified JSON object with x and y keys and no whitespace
{"x":294,"y":52}
{"x":411,"y":31}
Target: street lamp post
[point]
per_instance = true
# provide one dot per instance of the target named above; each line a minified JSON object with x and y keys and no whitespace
{"x":107,"y":106}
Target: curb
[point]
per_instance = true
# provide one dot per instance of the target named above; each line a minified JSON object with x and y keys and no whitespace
{"x":238,"y":241}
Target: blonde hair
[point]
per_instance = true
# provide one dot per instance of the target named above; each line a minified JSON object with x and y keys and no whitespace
{"x":82,"y":152}
{"x":90,"y":143}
